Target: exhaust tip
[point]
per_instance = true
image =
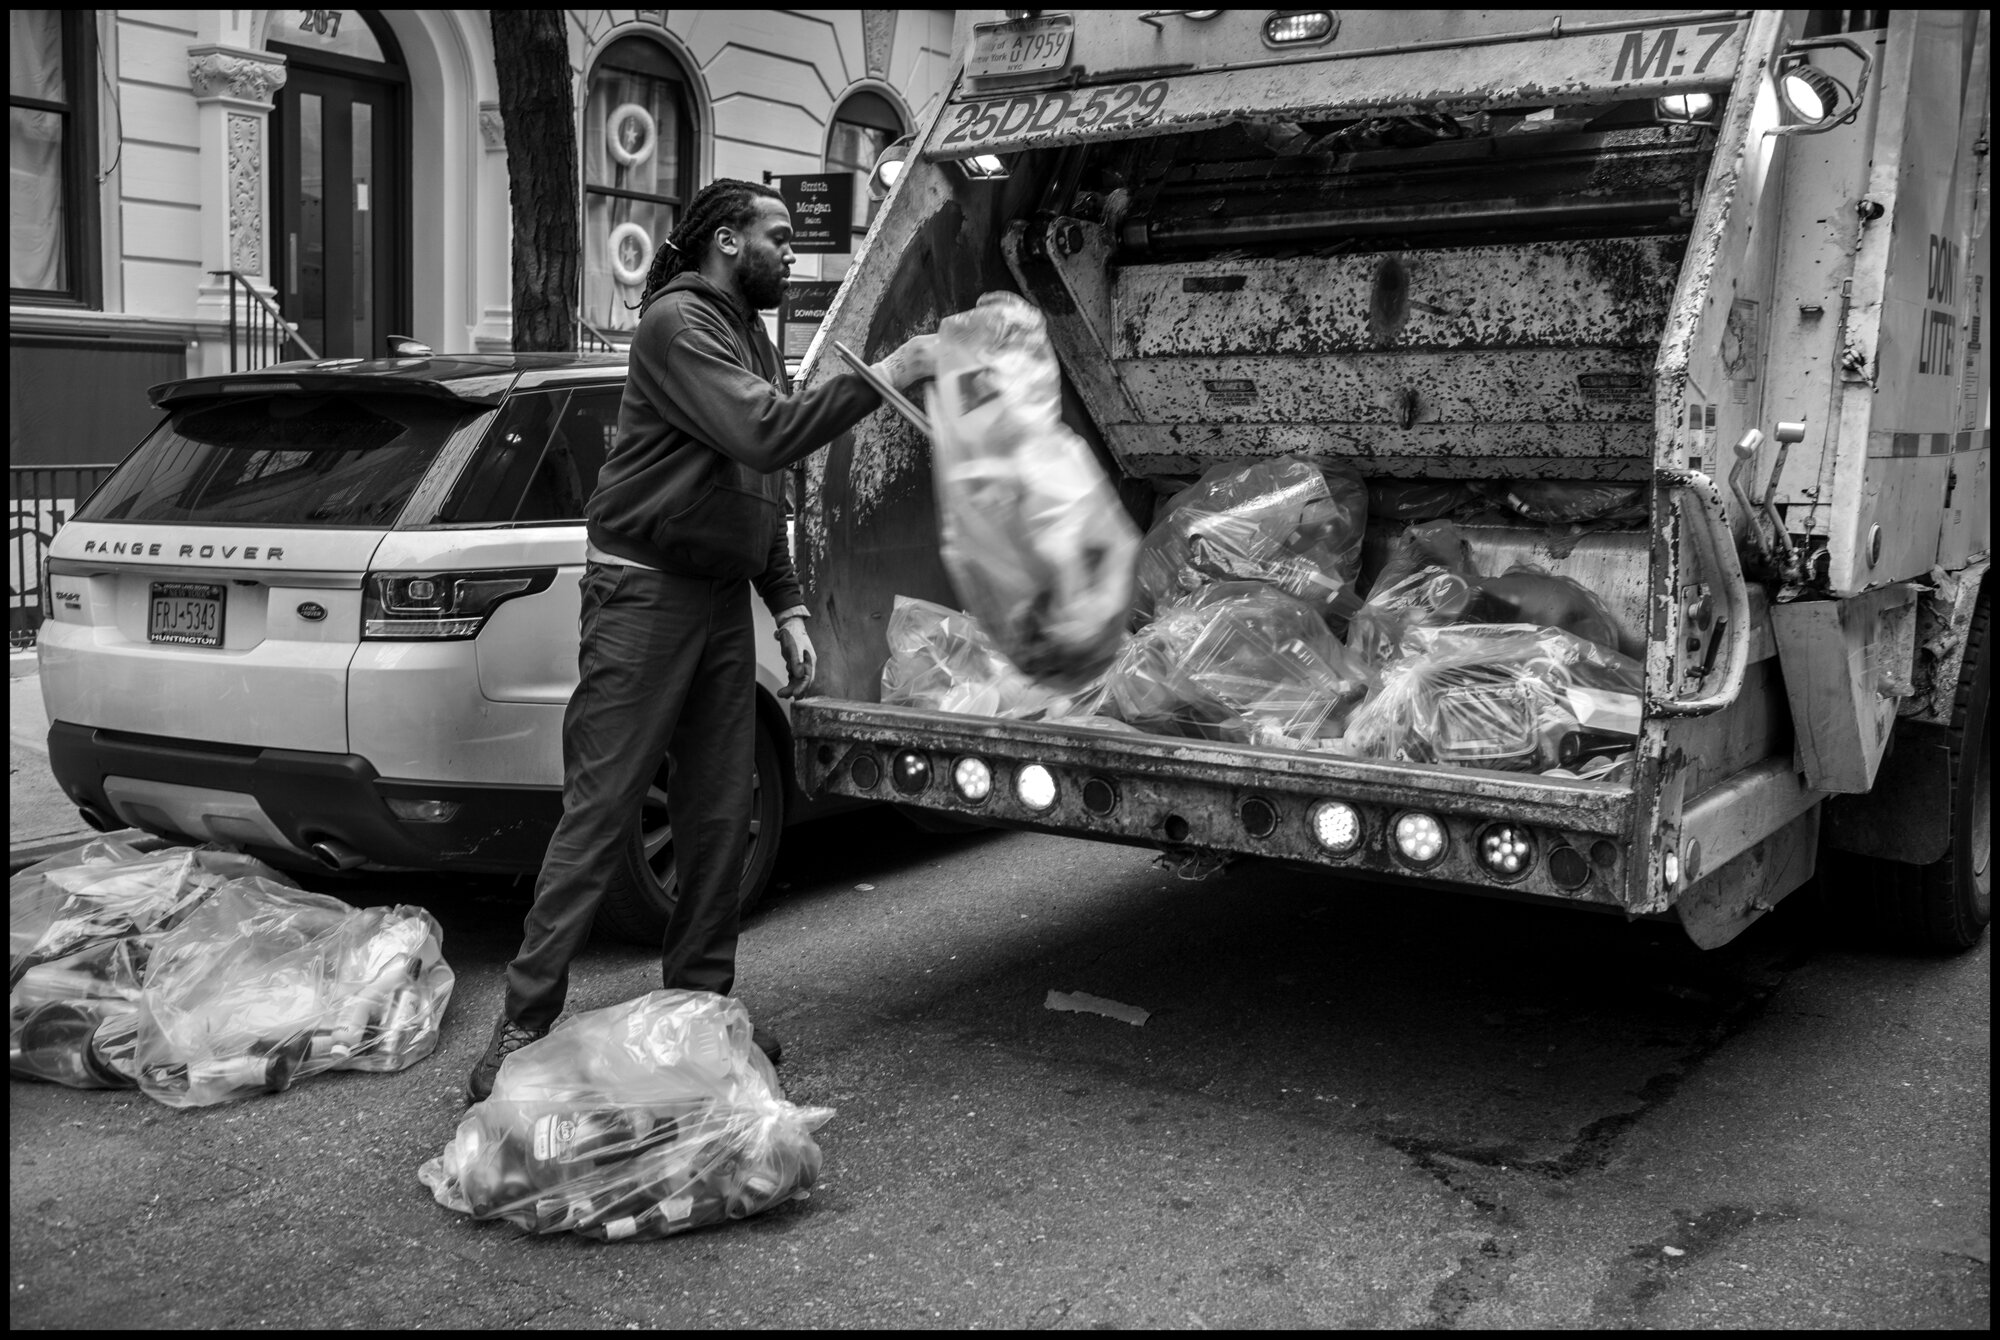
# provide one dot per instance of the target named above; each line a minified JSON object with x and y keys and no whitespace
{"x":96,"y":818}
{"x":335,"y":855}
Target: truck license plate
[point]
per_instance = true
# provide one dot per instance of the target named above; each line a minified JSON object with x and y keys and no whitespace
{"x":186,"y":612}
{"x":1026,"y":46}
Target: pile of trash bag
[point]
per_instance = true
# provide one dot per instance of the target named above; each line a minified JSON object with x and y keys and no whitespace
{"x":201,"y":976}
{"x":1293,"y":525}
{"x":1032,"y":534}
{"x":1249,"y":626}
{"x":635,"y":1121}
{"x":1237,"y":661}
{"x":1511,"y":697}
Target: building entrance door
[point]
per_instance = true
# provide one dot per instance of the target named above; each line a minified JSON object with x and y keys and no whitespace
{"x":342,"y":235}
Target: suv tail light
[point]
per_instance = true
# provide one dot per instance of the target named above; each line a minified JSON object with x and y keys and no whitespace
{"x":396,"y":606}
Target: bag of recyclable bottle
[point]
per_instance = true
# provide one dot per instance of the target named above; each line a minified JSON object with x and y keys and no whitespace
{"x":1429,"y":580}
{"x":82,"y":926}
{"x":1036,"y":543}
{"x":1510,"y":697}
{"x":635,"y":1121}
{"x":1239,"y":661}
{"x":1289,"y":523}
{"x":943,"y":660}
{"x":262,"y":985}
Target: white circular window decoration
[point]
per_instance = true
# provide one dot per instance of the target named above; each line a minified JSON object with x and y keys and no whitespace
{"x":629,"y":134}
{"x":630,"y":240}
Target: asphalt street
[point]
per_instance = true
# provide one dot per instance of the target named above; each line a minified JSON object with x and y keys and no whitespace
{"x":1348,"y":1106}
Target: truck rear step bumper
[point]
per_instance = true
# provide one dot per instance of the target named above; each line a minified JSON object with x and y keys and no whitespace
{"x":1179,"y":793}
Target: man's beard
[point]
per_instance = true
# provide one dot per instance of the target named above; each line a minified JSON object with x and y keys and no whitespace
{"x":763,"y":283}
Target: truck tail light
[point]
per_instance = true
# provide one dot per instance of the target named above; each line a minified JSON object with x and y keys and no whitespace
{"x":910,"y":772}
{"x":1505,"y":850}
{"x":1036,"y":786}
{"x":1299,"y":27}
{"x":398,"y":606}
{"x":1420,"y":837}
{"x":973,"y":779}
{"x":1336,"y":826}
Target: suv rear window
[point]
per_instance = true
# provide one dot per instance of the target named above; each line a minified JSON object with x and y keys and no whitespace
{"x":330,"y":460}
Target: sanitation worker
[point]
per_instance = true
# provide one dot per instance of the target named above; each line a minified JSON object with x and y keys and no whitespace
{"x":686,"y":515}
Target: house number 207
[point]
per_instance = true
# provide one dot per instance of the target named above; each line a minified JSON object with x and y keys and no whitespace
{"x":325,"y":22}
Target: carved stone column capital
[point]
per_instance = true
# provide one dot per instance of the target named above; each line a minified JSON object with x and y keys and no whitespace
{"x":249,"y":77}
{"x":492,"y":130}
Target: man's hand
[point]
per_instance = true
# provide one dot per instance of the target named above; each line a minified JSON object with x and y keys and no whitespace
{"x":801,"y":661}
{"x":913,"y":361}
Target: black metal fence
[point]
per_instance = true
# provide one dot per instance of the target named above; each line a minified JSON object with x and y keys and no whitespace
{"x":40,"y":499}
{"x":259,"y":335}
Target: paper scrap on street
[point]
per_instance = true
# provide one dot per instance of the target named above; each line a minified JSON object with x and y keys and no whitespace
{"x":1084,"y":1003}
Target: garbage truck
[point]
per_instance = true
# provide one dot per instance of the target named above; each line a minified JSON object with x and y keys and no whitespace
{"x":1732,"y":260}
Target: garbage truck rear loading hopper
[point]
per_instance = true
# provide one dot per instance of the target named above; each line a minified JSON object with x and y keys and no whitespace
{"x":1736,"y":258}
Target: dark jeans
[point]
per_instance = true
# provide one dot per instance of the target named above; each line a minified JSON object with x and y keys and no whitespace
{"x":666,"y":663}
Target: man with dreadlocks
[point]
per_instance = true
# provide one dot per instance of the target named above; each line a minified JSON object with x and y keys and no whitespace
{"x":686,"y":516}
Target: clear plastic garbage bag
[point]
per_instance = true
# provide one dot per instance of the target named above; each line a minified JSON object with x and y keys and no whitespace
{"x":639,"y":1120}
{"x":262,"y":985}
{"x":1574,"y":502}
{"x":1527,"y":594}
{"x":1424,"y":499}
{"x":1036,"y":543}
{"x":1429,"y":580}
{"x":107,"y":890}
{"x":943,"y":660}
{"x":1295,"y":525}
{"x":1239,"y":661}
{"x":81,"y":928}
{"x":1511,"y":697}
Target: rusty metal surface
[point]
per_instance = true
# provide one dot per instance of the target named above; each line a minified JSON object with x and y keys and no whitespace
{"x":1635,"y":56}
{"x":1459,"y":451}
{"x":1722,"y":905}
{"x":1610,"y":292}
{"x":1191,"y":799}
{"x":1596,"y":807}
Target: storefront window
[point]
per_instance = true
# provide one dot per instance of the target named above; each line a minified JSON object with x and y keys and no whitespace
{"x":638,"y":161}
{"x":51,"y":156}
{"x":863,"y":126}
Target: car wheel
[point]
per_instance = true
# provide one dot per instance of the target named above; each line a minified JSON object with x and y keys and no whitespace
{"x":636,"y":907}
{"x":1945,"y":905}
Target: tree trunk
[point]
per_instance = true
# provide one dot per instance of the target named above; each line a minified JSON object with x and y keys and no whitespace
{"x":531,"y":61}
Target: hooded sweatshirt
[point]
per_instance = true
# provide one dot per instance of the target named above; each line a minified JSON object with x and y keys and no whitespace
{"x":692,"y":484}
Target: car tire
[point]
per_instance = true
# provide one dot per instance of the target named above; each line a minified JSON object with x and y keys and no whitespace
{"x":1942,"y":907}
{"x":636,"y":907}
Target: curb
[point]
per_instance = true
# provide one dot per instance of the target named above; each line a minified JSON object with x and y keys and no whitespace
{"x":20,"y":858}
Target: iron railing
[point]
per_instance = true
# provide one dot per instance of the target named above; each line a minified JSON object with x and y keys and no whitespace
{"x":591,"y":340}
{"x":41,"y":498}
{"x":265,"y":332}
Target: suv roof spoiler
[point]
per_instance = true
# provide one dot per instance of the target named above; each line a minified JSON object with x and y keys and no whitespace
{"x":478,"y":383}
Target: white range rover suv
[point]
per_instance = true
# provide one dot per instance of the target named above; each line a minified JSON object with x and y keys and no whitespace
{"x":327,"y":612}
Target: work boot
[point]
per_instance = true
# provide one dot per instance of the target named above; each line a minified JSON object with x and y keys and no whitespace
{"x":767,"y":1043}
{"x":508,"y":1038}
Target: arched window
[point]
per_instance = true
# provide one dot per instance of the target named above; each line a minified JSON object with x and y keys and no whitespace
{"x":638,"y":172}
{"x":863,"y":126}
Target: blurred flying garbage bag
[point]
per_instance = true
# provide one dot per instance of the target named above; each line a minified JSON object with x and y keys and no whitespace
{"x":1513,"y":697}
{"x":1038,"y":547}
{"x":263,"y":984}
{"x":637,"y":1120}
{"x":1295,"y":525}
{"x":202,"y":975}
{"x":1238,"y":661}
{"x":81,"y":927}
{"x":943,"y":660}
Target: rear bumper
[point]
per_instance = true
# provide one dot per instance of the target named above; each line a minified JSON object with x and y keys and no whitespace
{"x":1177,"y":793}
{"x":288,"y":799}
